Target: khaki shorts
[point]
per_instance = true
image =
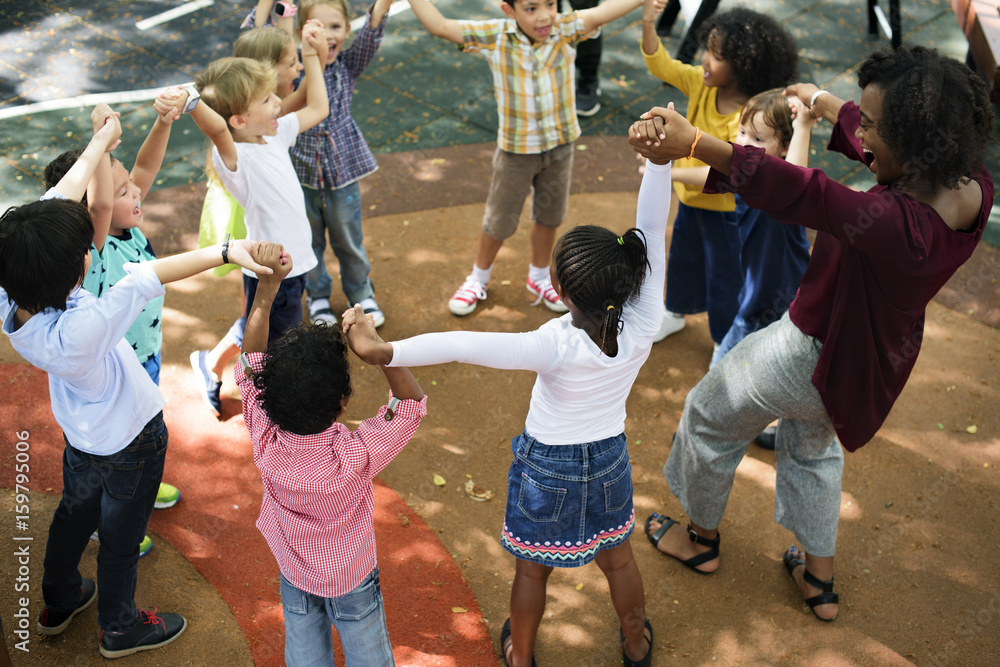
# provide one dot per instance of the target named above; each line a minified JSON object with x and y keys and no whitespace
{"x":546,"y":175}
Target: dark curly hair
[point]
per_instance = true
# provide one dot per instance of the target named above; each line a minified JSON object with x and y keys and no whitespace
{"x":304,"y":379}
{"x":600,"y":271}
{"x":936,"y":114}
{"x":762,"y":53}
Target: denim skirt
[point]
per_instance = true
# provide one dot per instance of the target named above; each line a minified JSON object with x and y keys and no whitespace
{"x":565,"y":503}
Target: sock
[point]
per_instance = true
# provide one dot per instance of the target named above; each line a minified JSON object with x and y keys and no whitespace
{"x":482,"y":275}
{"x":537,"y":274}
{"x":316,"y":305}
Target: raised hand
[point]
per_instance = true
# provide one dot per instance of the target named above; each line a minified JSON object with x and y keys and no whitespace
{"x":363,"y":339}
{"x":168,"y":104}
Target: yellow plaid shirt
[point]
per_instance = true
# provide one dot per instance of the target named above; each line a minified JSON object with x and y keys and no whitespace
{"x":535,"y":84}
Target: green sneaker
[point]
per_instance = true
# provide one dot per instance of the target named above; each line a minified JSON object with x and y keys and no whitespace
{"x":166,"y":496}
{"x":144,"y":547}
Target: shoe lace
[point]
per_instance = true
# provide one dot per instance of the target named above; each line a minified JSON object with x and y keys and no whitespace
{"x":473,"y":287}
{"x":545,"y":291}
{"x":150,"y":618}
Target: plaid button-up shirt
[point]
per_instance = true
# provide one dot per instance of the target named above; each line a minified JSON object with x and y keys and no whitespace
{"x":333,"y":153}
{"x":318,"y":503}
{"x":534,"y":84}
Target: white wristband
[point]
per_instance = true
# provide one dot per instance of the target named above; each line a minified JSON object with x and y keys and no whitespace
{"x":812,"y":100}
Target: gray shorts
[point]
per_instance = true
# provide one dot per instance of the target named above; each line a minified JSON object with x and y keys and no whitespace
{"x":546,"y":175}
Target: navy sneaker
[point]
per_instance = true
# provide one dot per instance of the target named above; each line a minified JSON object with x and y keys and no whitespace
{"x":54,"y":622}
{"x":209,"y":387}
{"x":152,"y":631}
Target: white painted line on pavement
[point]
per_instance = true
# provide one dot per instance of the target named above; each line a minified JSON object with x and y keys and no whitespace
{"x":82,"y":101}
{"x":172,"y":14}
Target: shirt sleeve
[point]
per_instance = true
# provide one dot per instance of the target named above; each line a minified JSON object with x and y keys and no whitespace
{"x":843,"y":139}
{"x":571,"y":26}
{"x":288,"y":129}
{"x":685,"y":78}
{"x":385,"y":438}
{"x":872,"y":221}
{"x":480,"y":35}
{"x":530,"y":351}
{"x":98,"y":327}
{"x":52,"y":193}
{"x":248,"y":365}
{"x":365,"y":44}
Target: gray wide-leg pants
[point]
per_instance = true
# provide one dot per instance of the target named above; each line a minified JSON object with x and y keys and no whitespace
{"x":767,"y":375}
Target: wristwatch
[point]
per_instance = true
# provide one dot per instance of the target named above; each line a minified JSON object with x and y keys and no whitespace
{"x":285,"y":10}
{"x":193,"y":97}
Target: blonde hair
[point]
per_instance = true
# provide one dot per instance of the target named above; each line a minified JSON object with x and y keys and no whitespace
{"x":777,"y":114}
{"x":263,"y":44}
{"x":229,"y":85}
{"x":306,"y":7}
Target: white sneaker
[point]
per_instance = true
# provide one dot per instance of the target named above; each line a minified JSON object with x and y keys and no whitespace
{"x":321,"y":313}
{"x":371,"y":308}
{"x":465,"y":298}
{"x":671,"y":324}
{"x":546,"y":294}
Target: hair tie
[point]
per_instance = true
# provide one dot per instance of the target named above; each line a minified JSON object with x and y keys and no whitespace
{"x":694,"y":144}
{"x":621,"y":241}
{"x":611,"y":307}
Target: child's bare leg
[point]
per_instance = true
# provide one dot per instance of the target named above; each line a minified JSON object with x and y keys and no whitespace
{"x":487,"y":249}
{"x":220,"y":355}
{"x":627,"y":595}
{"x":527,"y":605}
{"x":543,"y":240}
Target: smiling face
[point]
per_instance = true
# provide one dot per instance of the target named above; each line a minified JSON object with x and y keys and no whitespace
{"x":126,"y":212}
{"x":878,"y":156}
{"x":718,"y":72}
{"x":535,"y":18}
{"x":287,"y":69}
{"x":261,"y":118}
{"x":335,"y":26}
{"x":755,"y":132}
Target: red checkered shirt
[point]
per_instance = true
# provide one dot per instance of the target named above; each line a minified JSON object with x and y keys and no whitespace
{"x":318,"y":503}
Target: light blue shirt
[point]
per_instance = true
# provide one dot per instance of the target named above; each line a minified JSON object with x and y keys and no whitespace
{"x":101,"y":396}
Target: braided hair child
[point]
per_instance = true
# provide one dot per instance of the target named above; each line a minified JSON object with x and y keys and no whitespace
{"x":569,"y":494}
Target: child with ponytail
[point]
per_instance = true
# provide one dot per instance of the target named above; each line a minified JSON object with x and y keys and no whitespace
{"x":569,"y":494}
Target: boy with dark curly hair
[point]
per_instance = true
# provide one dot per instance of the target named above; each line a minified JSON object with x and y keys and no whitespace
{"x":318,"y":503}
{"x":745,"y":53}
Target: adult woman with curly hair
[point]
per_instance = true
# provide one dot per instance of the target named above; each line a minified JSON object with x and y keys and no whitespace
{"x":745,"y":53}
{"x":836,"y":362}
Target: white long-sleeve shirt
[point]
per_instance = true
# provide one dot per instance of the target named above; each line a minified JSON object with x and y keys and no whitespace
{"x":580,"y":393}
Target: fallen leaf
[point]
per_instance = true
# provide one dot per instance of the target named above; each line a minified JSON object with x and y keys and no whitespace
{"x":439,"y":480}
{"x":971,"y":428}
{"x":940,"y":426}
{"x":581,"y":147}
{"x":579,"y":587}
{"x":505,"y":283}
{"x":477,"y":493}
{"x":459,"y":610}
{"x":437,"y":160}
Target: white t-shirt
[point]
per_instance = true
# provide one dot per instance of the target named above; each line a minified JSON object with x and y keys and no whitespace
{"x":580,"y":393}
{"x":267,"y":188}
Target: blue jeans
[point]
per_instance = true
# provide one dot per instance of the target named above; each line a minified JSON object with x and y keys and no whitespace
{"x":337,"y":212}
{"x":114,"y":494}
{"x":358,"y":616}
{"x":286,"y":309}
{"x":152,"y":366}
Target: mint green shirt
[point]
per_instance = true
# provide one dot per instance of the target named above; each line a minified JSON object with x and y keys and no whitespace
{"x":108,"y":267}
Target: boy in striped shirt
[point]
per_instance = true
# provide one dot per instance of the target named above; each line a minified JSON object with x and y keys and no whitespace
{"x":531,"y":54}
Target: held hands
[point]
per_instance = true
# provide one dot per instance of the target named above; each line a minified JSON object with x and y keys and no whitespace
{"x":169,"y":104}
{"x":363,"y":339}
{"x":662,"y":135}
{"x":241,"y":254}
{"x":276,"y":263}
{"x":107,"y":128}
{"x":652,"y":8}
{"x":803,"y":91}
{"x":314,"y":40}
{"x":802,"y":117}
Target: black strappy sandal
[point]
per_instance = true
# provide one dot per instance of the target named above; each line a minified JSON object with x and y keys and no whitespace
{"x":504,"y":636}
{"x":647,"y":659}
{"x":792,"y":561}
{"x":691,"y":563}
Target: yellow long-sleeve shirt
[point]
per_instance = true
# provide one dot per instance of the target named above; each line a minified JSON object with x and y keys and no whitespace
{"x":701,"y":112}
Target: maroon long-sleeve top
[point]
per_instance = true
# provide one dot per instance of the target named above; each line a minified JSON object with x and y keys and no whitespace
{"x":880,"y":256}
